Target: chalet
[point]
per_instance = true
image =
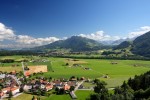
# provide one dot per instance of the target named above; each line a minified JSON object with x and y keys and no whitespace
{"x":27,"y":88}
{"x":13,"y":72}
{"x":2,"y":76}
{"x":14,"y":90}
{"x":57,"y":83}
{"x":1,"y":94}
{"x":43,"y":81}
{"x":42,"y":86}
{"x":66,"y":87}
{"x":33,"y":81}
{"x":49,"y":86}
{"x":72,"y":83}
{"x":27,"y":73}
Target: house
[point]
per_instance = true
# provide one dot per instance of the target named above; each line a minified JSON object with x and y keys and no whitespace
{"x":57,"y":83}
{"x":27,"y":87}
{"x":72,"y":83}
{"x":27,"y":73}
{"x":33,"y":81}
{"x":13,"y":72}
{"x":2,"y":76}
{"x":43,"y":81}
{"x":66,"y":87}
{"x":1,"y":94}
{"x":14,"y":90}
{"x":49,"y":86}
{"x":42,"y":86}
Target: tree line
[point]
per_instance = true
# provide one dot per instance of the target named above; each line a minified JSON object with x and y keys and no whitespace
{"x":137,"y":88}
{"x":16,"y":52}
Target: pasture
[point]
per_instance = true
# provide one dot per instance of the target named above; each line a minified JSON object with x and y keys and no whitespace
{"x":117,"y":73}
{"x":57,"y":68}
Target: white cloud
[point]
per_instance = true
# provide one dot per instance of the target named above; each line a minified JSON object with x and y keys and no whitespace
{"x":140,"y":31}
{"x":27,"y":40}
{"x":100,"y":36}
{"x":21,"y":41}
{"x":6,"y":33}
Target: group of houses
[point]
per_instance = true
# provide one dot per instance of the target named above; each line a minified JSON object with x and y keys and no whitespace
{"x":45,"y":85}
{"x":8,"y":83}
{"x":11,"y":84}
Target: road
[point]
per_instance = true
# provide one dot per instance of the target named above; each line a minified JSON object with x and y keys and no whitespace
{"x":79,"y":83}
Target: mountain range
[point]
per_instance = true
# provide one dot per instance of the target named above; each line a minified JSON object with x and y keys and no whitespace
{"x":74,"y":43}
{"x":139,"y":46}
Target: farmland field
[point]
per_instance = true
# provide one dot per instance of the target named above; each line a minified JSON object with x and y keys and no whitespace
{"x":25,"y":97}
{"x":117,"y":73}
{"x":88,"y":68}
{"x":83,"y":94}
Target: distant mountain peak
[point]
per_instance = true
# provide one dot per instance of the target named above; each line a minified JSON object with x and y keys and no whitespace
{"x":74,"y":43}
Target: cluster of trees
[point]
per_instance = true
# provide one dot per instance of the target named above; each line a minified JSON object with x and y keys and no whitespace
{"x":123,"y":92}
{"x":16,"y":52}
{"x":7,"y":61}
{"x":106,"y":53}
{"x":137,"y":88}
{"x":129,"y":57}
{"x":141,"y":85}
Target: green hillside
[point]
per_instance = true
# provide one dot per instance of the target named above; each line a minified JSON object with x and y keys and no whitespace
{"x":75,"y":43}
{"x":124,"y":45}
{"x":141,"y":45}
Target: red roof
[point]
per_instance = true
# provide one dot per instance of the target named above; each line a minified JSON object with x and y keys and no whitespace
{"x":10,"y":88}
{"x":1,"y":94}
{"x":27,"y":73}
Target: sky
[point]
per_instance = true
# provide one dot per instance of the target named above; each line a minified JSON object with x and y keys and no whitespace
{"x":29,"y":23}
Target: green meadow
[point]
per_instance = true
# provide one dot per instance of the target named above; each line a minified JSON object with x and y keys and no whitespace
{"x":116,"y":73}
{"x":97,"y":68}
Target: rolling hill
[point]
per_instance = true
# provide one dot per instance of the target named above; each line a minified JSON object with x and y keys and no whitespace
{"x":141,"y":45}
{"x":124,"y":45}
{"x":74,"y":43}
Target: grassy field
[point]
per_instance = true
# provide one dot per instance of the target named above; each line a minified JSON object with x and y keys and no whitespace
{"x":117,"y":73}
{"x":98,"y":68}
{"x":83,"y":94}
{"x":58,"y":97}
{"x":25,"y":97}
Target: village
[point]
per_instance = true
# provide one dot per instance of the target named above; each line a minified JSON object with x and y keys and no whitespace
{"x":15,"y":83}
